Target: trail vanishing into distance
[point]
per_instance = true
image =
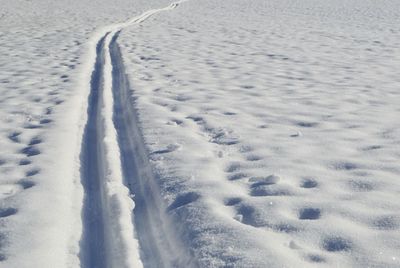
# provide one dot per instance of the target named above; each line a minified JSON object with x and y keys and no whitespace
{"x":115,"y":170}
{"x":212,"y":133}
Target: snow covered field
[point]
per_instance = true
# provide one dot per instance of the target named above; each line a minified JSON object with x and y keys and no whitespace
{"x":200,"y":133}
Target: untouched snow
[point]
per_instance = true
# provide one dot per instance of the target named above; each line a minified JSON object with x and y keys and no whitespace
{"x":259,"y":133}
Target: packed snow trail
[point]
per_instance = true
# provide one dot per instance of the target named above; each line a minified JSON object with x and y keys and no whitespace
{"x":93,"y":242}
{"x":115,"y":169}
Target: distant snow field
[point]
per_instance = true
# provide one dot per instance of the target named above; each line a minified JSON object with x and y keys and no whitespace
{"x":199,"y":133}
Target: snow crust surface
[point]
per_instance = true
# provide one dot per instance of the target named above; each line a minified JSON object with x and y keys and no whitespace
{"x":272,"y":127}
{"x":43,"y":50}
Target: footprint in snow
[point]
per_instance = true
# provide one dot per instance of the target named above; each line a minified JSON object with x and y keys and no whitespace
{"x":306,"y":124}
{"x":285,"y":228}
{"x":270,"y":190}
{"x":57,"y":101}
{"x":345,"y":165}
{"x":336,"y":244}
{"x":232,"y":201}
{"x":294,"y":245}
{"x":309,"y":183}
{"x":267,"y":186}
{"x":45,"y":121}
{"x":35,"y":140}
{"x":315,"y":258}
{"x":175,"y":122}
{"x":223,"y":140}
{"x":32,"y":172}
{"x":32,"y":126}
{"x":49,"y":110}
{"x":30,"y":151}
{"x":183,"y":200}
{"x":247,"y":215}
{"x":253,"y":158}
{"x":246,"y":149}
{"x":361,"y":186}
{"x":237,"y":176}
{"x":53,"y":93}
{"x":26,"y":183}
{"x":222,"y":136}
{"x":6,"y":212}
{"x":14,"y":136}
{"x":259,"y":181}
{"x":297,"y":134}
{"x":372,"y":147}
{"x":170,"y":148}
{"x":25,"y":162}
{"x":387,"y":222}
{"x":309,"y":213}
{"x":233,"y":167}
{"x":196,"y":119}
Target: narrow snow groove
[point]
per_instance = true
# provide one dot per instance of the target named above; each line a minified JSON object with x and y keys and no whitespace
{"x":93,"y":243}
{"x":159,"y":246}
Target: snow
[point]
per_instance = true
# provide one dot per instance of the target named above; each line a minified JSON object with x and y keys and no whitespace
{"x":283,"y":116}
{"x":43,"y":103}
{"x":259,"y":133}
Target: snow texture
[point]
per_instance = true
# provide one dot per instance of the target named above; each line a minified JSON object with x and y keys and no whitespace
{"x":226,"y":133}
{"x":273,"y":126}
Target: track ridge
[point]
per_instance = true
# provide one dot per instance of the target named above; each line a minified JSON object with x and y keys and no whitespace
{"x":159,"y":246}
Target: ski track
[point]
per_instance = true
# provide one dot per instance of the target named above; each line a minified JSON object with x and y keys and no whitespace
{"x":115,"y":169}
{"x":91,"y":173}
